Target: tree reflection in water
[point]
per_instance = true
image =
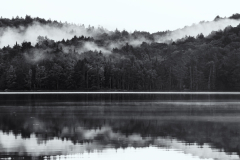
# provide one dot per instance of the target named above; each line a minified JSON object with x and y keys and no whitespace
{"x":40,"y":127}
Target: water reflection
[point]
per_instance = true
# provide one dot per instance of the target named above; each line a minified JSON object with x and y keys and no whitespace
{"x":34,"y":146}
{"x":56,"y":127}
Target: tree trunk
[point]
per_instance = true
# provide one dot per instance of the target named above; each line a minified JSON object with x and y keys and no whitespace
{"x":213,"y":76}
{"x":110,"y":82}
{"x":197,"y":80}
{"x":87,"y":80}
{"x":98,"y":77}
{"x":191,"y":79}
{"x":209,"y":79}
{"x":170,"y":79}
{"x":57,"y":85}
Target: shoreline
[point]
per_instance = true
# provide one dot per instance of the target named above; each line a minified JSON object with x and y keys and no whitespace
{"x":71,"y":92}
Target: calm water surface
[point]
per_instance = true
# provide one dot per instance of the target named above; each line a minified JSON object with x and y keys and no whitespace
{"x":120,"y":126}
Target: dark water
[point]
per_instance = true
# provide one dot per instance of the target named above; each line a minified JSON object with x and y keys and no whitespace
{"x":120,"y":126}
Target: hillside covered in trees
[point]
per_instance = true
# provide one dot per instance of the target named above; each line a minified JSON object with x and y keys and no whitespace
{"x":88,"y":58}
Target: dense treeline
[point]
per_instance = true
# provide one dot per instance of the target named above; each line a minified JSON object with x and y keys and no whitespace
{"x":201,"y":63}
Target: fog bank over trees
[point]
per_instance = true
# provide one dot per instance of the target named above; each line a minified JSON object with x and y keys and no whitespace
{"x":39,"y":54}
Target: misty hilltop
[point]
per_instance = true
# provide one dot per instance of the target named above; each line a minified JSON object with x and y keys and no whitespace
{"x":39,"y":54}
{"x":28,"y":29}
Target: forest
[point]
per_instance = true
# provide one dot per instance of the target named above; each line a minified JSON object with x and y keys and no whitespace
{"x":102,"y":60}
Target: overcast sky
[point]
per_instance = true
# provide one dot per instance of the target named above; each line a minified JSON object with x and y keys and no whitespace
{"x":143,"y":15}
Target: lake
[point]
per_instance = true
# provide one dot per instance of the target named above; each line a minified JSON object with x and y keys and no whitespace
{"x":172,"y":126}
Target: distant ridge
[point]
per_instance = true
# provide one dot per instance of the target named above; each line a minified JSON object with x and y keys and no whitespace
{"x":38,"y":54}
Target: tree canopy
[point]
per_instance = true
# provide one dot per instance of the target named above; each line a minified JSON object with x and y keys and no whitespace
{"x":89,"y":63}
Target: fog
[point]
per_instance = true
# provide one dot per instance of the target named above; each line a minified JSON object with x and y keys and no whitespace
{"x":11,"y":35}
{"x":205,"y":28}
{"x":36,"y":146}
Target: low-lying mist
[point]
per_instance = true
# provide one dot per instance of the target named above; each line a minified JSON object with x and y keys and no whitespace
{"x":205,"y":28}
{"x":11,"y":35}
